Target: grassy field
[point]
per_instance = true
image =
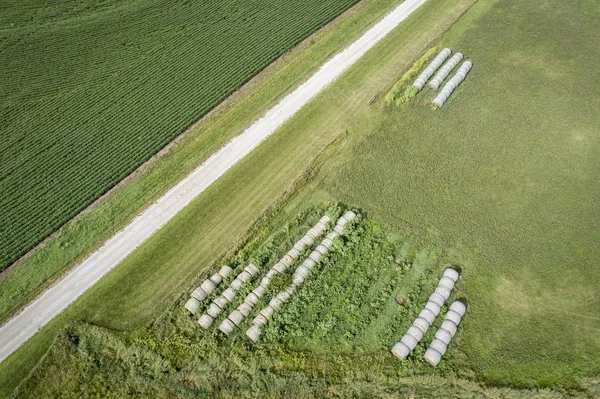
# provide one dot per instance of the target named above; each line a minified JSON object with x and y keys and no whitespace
{"x":501,"y":181}
{"x":94,"y":89}
{"x":331,"y":340}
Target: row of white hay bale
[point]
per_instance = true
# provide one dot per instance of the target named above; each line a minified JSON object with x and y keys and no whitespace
{"x":444,"y":334}
{"x":431,"y":68}
{"x":452,"y":84}
{"x":238,"y":315}
{"x":445,"y":71}
{"x":425,"y":319}
{"x":217,"y":306}
{"x":206,"y":288}
{"x":299,"y":276}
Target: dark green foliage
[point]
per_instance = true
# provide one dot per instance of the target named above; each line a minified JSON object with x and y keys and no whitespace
{"x":91,"y":92}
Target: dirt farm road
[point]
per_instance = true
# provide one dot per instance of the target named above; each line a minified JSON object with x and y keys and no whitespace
{"x":16,"y":331}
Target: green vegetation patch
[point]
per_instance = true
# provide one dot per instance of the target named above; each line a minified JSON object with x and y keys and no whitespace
{"x":333,"y":337}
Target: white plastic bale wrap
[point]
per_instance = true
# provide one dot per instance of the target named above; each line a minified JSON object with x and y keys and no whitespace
{"x":434,"y":307}
{"x":213,"y":310}
{"x":236,"y":317}
{"x":449,"y":326}
{"x":313,"y":233}
{"x":339,"y":230}
{"x":327,"y":243}
{"x":427,"y":315}
{"x":444,"y":292}
{"x":227,"y":326}
{"x":293,"y":253}
{"x":192,"y":305}
{"x":264,"y":282}
{"x":205,"y":321}
{"x":251,"y":298}
{"x":253,"y":333}
{"x":199,"y":294}
{"x":451,"y":273}
{"x":458,"y":307}
{"x":443,"y":336}
{"x":322,"y":249}
{"x":302,"y":271}
{"x":432,"y":356}
{"x":259,"y":291}
{"x":271,"y":273}
{"x":445,"y":71}
{"x":333,"y":235}
{"x":291,"y":289}
{"x":221,"y":301}
{"x":252,"y":269}
{"x":452,"y":84}
{"x":244,"y":276}
{"x":267,"y":312}
{"x":298,"y":279}
{"x":315,"y":256}
{"x":236,"y":284}
{"x":446,"y":282}
{"x":208,"y":287}
{"x":437,"y":298}
{"x":410,"y":341}
{"x":400,"y":350}
{"x":280,"y":267}
{"x":216,"y":278}
{"x":287,"y":260}
{"x":415,"y":332}
{"x":275,"y":303}
{"x":309,"y":263}
{"x":245,"y":308}
{"x":283,"y":296}
{"x":439,"y":346}
{"x":453,"y":316}
{"x":422,"y":323}
{"x":259,"y":320}
{"x":229,"y":293}
{"x":431,"y":68}
{"x":307,"y":240}
{"x":299,"y":246}
{"x":225,"y":271}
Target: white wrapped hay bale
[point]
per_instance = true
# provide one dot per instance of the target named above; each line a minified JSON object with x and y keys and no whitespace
{"x":229,"y":294}
{"x":287,"y":260}
{"x":451,"y":273}
{"x":427,"y":315}
{"x":443,"y":336}
{"x":439,"y":346}
{"x":259,"y":320}
{"x":445,"y":71}
{"x":291,"y":289}
{"x":253,"y":333}
{"x":308,"y":263}
{"x":339,"y":229}
{"x":244,"y":276}
{"x":313,"y":233}
{"x":236,"y":284}
{"x":458,"y":307}
{"x":410,"y":341}
{"x":213,"y":310}
{"x":449,"y":326}
{"x":283,"y":296}
{"x":205,"y":321}
{"x":271,"y":273}
{"x":216,"y":279}
{"x":437,"y":298}
{"x":327,"y":243}
{"x":252,"y":299}
{"x":227,"y":327}
{"x":322,"y":249}
{"x":325,"y":220}
{"x":452,"y":84}
{"x":302,"y":271}
{"x":225,"y":271}
{"x":208,"y":287}
{"x":432,"y":356}
{"x":267,"y":312}
{"x":245,"y":308}
{"x":236,"y":317}
{"x":298,"y":279}
{"x":415,"y":332}
{"x":443,"y":291}
{"x":453,"y":316}
{"x":434,"y":307}
{"x":333,"y":235}
{"x":431,"y":68}
{"x":275,"y":303}
{"x":221,"y":301}
{"x":259,"y":291}
{"x":293,"y":253}
{"x":192,"y":305}
{"x":299,"y":246}
{"x":315,"y":256}
{"x":400,"y":350}
{"x":199,"y":294}
{"x":342,"y":221}
{"x":280,"y":267}
{"x":446,"y":282}
{"x":422,"y":324}
{"x":264,"y":282}
{"x":252,"y":269}
{"x":308,"y":240}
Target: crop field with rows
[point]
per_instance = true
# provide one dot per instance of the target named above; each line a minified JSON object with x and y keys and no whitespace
{"x":91,"y":90}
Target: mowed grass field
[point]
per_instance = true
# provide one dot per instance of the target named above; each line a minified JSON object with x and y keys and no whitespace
{"x":501,"y":181}
{"x":91,"y":90}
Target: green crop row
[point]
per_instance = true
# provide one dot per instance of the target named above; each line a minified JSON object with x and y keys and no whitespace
{"x":90,"y":93}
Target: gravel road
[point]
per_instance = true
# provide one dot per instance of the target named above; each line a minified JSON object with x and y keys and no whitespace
{"x":58,"y":297}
